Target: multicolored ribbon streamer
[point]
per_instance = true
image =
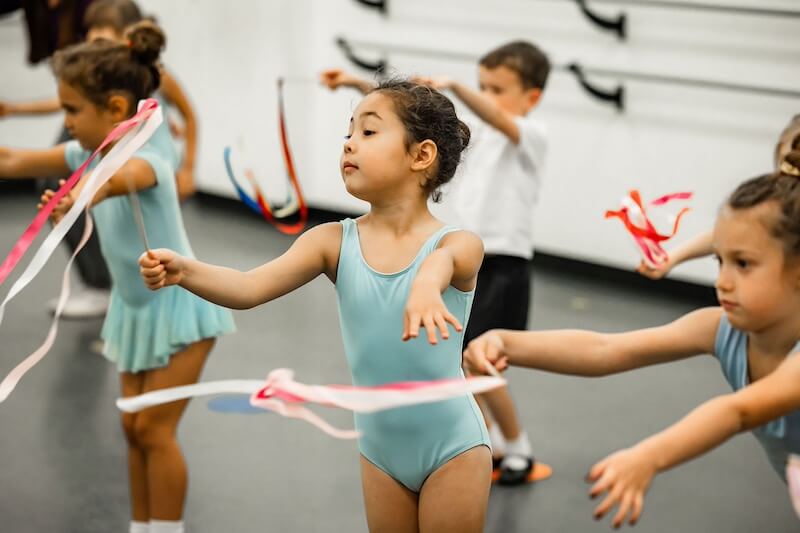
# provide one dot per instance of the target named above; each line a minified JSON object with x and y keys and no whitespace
{"x":636,"y":220}
{"x":793,"y":480}
{"x":285,"y":396}
{"x":130,"y":135}
{"x":259,"y":204}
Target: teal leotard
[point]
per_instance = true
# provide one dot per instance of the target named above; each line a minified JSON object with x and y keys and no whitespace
{"x":408,"y":443}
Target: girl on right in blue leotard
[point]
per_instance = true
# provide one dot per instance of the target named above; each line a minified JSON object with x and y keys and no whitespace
{"x":396,"y":269}
{"x":755,"y":335}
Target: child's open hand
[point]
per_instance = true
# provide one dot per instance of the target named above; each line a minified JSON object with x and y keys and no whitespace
{"x":161,"y":268}
{"x":426,"y":308}
{"x":625,"y":476}
{"x":484,"y":353}
{"x":63,"y":206}
{"x":335,"y":78}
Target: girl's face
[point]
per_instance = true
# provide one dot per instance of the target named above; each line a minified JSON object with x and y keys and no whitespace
{"x":375,"y":163}
{"x":85,"y":121}
{"x":758,"y":286}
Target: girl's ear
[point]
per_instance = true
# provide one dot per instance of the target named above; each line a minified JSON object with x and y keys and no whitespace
{"x":424,"y":155}
{"x":119,"y":107}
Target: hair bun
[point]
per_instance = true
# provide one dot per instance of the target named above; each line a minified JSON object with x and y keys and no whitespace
{"x":146,"y":40}
{"x":464,"y":134}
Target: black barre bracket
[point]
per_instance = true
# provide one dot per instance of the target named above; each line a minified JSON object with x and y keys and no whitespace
{"x":615,"y":96}
{"x":618,"y":25}
{"x":378,"y":66}
{"x":380,"y":5}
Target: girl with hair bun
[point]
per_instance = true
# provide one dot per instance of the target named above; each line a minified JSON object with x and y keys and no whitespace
{"x":396,"y":269}
{"x":157,"y":340}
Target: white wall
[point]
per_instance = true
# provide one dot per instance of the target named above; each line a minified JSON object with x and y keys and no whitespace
{"x":669,"y":138}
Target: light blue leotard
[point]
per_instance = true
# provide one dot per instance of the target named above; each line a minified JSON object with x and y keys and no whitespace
{"x":408,"y":443}
{"x":144,"y":328}
{"x":780,"y":437}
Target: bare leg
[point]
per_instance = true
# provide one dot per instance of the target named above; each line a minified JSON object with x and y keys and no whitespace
{"x":132,"y":385}
{"x":156,"y":429}
{"x":390,"y":507}
{"x":455,"y":497}
{"x":501,"y":407}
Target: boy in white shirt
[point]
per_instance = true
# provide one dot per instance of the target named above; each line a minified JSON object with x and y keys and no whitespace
{"x":494,"y":197}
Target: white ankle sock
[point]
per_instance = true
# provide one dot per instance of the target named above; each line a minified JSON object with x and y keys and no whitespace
{"x":497,"y":440}
{"x":139,"y":527}
{"x":166,"y":526}
{"x":518,"y":451}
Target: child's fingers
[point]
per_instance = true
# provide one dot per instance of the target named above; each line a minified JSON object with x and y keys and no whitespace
{"x":603,"y":484}
{"x":624,"y":507}
{"x":148,"y":260}
{"x":596,"y":471}
{"x":453,"y":320}
{"x":607,"y":504}
{"x":430,"y":328}
{"x":441,"y":323}
{"x":413,"y":326}
{"x":490,"y":369}
{"x":638,"y":506}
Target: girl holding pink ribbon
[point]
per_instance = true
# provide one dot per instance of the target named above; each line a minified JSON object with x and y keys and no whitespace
{"x":396,"y":270}
{"x":755,"y":335}
{"x":158,"y":340}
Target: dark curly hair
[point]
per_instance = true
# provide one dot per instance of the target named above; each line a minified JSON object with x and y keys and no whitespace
{"x":428,"y":114}
{"x":101,"y":68}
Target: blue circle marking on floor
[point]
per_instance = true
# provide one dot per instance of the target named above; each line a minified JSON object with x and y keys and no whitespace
{"x":239,"y":403}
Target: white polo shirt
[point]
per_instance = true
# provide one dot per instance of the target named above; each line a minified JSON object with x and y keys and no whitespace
{"x":495,"y":192}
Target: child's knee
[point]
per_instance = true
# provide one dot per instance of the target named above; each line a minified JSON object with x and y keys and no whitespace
{"x":152,"y":432}
{"x":129,"y":427}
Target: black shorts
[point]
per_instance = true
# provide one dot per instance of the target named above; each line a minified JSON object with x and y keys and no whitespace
{"x":502,"y":296}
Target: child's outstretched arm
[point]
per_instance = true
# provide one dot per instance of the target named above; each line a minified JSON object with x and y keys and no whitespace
{"x":135,"y":175}
{"x":695,"y":247}
{"x":586,"y":353}
{"x":487,"y":110}
{"x":313,"y":253}
{"x":335,"y":78}
{"x":37,"y":107}
{"x":627,"y":474}
{"x":455,"y":262}
{"x":17,"y":163}
{"x":175,"y":95}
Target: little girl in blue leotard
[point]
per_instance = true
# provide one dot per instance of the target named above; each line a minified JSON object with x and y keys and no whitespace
{"x":754,"y":333}
{"x":397,"y":269}
{"x":157,"y":340}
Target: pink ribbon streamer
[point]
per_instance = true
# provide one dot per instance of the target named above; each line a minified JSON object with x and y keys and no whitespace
{"x":29,"y":235}
{"x":793,"y":480}
{"x":283,"y":395}
{"x":644,"y":233}
{"x":131,"y":137}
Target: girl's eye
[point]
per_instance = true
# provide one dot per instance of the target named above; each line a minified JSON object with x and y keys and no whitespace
{"x":742,"y":263}
{"x":367,"y":133}
{"x":348,"y":136}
